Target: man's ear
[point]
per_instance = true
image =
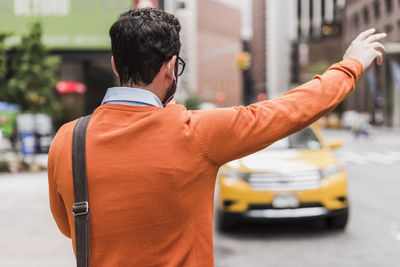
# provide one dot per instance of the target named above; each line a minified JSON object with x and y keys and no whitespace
{"x":170,"y":67}
{"x":113,"y":66}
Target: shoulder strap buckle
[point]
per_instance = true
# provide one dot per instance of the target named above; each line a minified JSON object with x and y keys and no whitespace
{"x":80,"y":208}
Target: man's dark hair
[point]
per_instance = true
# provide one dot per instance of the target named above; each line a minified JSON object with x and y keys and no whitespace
{"x":141,"y":41}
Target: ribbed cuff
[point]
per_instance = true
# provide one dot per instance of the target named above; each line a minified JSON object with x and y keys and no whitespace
{"x":355,"y":65}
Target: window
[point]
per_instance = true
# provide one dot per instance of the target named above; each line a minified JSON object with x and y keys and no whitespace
{"x":377,"y":10}
{"x":366,"y":15}
{"x":389,"y":6}
{"x":388,"y":28}
{"x":356,"y":22}
{"x":304,"y":139}
{"x":181,"y":4}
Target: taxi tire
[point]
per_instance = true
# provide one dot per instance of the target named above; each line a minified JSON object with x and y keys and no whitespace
{"x":337,"y":221}
{"x":227,"y":221}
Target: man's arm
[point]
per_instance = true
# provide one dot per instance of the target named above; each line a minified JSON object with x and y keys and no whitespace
{"x":230,"y":133}
{"x":57,"y":206}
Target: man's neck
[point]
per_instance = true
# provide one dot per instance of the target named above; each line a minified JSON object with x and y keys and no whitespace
{"x":150,"y":87}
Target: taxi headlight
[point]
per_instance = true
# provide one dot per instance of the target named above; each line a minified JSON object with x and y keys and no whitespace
{"x":330,"y":171}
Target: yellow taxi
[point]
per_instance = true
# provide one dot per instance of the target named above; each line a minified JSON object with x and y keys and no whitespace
{"x":296,"y":177}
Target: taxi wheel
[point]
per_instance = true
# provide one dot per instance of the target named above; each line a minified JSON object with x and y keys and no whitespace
{"x":227,"y":221}
{"x":338,"y":221}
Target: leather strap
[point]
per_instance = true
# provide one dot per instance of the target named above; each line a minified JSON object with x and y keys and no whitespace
{"x":81,"y":207}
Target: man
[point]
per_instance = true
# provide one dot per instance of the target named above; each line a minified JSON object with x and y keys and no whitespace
{"x":151,"y":168}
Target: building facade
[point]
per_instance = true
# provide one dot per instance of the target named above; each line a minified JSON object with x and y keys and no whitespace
{"x":274,"y":31}
{"x":77,"y":31}
{"x":258,"y":49}
{"x":320,"y":35}
{"x":291,"y":36}
{"x":378,"y":92}
{"x":219,"y":40}
{"x":281,"y":25}
{"x":211,"y":38}
{"x":186,"y":11}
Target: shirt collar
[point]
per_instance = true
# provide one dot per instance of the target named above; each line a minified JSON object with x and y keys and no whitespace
{"x":131,"y":96}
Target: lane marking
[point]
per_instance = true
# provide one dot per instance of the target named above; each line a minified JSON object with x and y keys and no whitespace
{"x":380,"y":158}
{"x":368,"y":157}
{"x":351,"y":157}
{"x":395,"y":154}
{"x":395,"y":232}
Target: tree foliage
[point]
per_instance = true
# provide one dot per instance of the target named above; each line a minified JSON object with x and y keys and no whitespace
{"x":32,"y":75}
{"x":3,"y":64}
{"x":193,"y":102}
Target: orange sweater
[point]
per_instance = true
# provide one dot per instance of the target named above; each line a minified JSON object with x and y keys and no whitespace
{"x":151,"y":171}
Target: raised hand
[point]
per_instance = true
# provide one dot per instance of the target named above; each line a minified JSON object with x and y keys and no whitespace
{"x":366,"y":48}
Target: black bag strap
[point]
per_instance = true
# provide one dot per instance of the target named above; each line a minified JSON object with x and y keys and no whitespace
{"x":80,"y":208}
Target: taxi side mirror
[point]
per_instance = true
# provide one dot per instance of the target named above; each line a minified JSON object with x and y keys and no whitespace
{"x":335,"y":143}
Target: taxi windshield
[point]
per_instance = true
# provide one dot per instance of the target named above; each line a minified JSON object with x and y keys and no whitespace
{"x":304,"y":139}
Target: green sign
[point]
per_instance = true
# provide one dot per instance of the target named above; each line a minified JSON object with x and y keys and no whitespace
{"x":7,"y":122}
{"x":67,"y":24}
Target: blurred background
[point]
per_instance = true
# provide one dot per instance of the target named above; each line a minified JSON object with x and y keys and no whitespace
{"x":55,"y":67}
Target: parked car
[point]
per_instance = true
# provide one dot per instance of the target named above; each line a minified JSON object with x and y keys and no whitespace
{"x":296,"y":177}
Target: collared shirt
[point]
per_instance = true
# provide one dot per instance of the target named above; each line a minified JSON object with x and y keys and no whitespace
{"x":131,"y":96}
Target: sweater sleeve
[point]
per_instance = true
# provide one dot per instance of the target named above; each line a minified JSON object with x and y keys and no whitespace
{"x":57,"y":205}
{"x":225,"y":134}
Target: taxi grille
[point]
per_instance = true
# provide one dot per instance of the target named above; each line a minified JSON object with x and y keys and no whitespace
{"x":304,"y":180}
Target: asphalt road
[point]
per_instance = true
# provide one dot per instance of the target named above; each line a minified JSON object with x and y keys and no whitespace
{"x":372,"y":237}
{"x":29,"y":236}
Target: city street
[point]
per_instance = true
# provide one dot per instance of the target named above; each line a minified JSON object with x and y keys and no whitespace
{"x":124,"y":60}
{"x":29,"y":236}
{"x":372,"y":237}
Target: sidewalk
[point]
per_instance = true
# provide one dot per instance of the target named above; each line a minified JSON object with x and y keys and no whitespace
{"x":28,"y":233}
{"x":14,"y":161}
